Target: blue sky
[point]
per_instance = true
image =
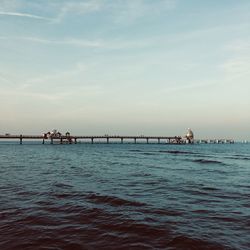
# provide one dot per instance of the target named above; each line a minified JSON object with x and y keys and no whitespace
{"x":151,"y":67}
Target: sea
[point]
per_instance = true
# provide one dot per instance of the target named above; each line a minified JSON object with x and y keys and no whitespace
{"x":124,"y":196}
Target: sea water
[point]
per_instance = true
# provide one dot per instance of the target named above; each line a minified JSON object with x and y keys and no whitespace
{"x":124,"y":196}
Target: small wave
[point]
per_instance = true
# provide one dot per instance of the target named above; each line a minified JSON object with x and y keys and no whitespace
{"x":204,"y":161}
{"x":226,"y":219}
{"x":184,"y":242}
{"x":140,"y":174}
{"x":247,"y":205}
{"x":240,"y":155}
{"x":162,"y":212}
{"x":135,"y":232}
{"x":113,"y":201}
{"x":12,"y":213}
{"x":202,"y":211}
{"x":197,"y":192}
{"x":135,"y":150}
{"x":177,"y":152}
{"x":27,"y":193}
{"x":239,"y":158}
{"x":38,"y":220}
{"x":63,"y":185}
{"x":245,"y":158}
{"x":148,"y":153}
{"x":210,"y":189}
{"x":230,"y":196}
{"x":65,"y":195}
{"x":152,"y":182}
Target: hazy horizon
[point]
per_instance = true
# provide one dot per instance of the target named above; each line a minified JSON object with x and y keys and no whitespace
{"x":125,"y":67}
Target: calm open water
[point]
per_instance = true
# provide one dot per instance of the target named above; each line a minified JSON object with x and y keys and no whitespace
{"x":124,"y":196}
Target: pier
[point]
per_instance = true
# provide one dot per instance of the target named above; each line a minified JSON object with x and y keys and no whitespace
{"x":69,"y":139}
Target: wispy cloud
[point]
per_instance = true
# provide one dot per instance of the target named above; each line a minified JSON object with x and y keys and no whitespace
{"x":25,"y":15}
{"x":60,"y":96}
{"x":77,"y":8}
{"x":71,"y":41}
{"x":120,"y":11}
{"x":70,"y":81}
{"x":190,"y":87}
{"x":239,"y":46}
{"x":57,"y":10}
{"x":127,"y":12}
{"x":117,"y":44}
{"x":57,"y":78}
{"x":236,"y":67}
{"x":238,"y":63}
{"x":6,"y":79}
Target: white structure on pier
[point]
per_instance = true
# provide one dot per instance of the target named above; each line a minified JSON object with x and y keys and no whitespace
{"x":53,"y":133}
{"x":189,"y":136}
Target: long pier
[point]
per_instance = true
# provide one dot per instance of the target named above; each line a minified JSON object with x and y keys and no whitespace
{"x":69,"y":139}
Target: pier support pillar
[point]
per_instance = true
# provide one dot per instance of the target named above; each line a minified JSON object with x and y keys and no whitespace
{"x":159,"y":141}
{"x":43,"y":140}
{"x":61,"y":140}
{"x":135,"y":140}
{"x":107,"y":140}
{"x":21,"y":139}
{"x":121,"y":140}
{"x":75,"y":140}
{"x":147,"y":140}
{"x":92,"y":140}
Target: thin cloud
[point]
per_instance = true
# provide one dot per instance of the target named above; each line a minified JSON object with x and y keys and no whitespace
{"x":77,"y":8}
{"x":6,"y":79}
{"x":239,"y":46}
{"x":236,"y":67}
{"x":127,"y":12}
{"x":238,"y":63}
{"x":72,"y":42}
{"x":25,"y":15}
{"x":191,"y":86}
{"x":58,"y":9}
{"x":121,"y":12}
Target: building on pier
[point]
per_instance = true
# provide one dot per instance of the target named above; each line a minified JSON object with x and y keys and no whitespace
{"x":189,"y":137}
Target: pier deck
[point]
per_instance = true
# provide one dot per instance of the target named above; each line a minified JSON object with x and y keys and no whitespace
{"x":110,"y":138}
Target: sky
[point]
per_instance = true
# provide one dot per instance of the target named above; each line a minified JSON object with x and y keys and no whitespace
{"x":125,"y":67}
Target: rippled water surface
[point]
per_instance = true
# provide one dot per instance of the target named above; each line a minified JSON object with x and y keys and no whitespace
{"x":124,"y":196}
